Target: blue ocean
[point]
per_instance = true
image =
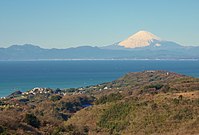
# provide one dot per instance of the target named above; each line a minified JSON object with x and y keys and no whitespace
{"x":25,"y":75}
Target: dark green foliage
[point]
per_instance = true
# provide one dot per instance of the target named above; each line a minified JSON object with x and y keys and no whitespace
{"x":64,"y":116}
{"x":32,"y":120}
{"x":2,"y":130}
{"x":72,"y":107}
{"x":114,"y":118}
{"x":55,"y":98}
{"x":86,"y":129}
{"x":2,"y":103}
{"x":156,"y":86}
{"x":109,"y":98}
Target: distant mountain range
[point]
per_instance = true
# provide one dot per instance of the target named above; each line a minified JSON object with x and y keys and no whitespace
{"x":142,"y":45}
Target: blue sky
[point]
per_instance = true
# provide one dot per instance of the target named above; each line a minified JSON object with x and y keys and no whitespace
{"x":70,"y":23}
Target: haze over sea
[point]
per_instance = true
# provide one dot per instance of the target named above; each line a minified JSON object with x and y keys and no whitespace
{"x":25,"y":75}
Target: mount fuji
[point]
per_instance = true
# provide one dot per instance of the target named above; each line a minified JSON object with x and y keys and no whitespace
{"x":140,"y":39}
{"x":144,"y":40}
{"x":141,"y":45}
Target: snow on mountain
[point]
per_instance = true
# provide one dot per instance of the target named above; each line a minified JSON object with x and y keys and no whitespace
{"x":140,"y":39}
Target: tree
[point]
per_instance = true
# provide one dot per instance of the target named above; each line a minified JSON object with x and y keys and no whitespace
{"x":32,"y":120}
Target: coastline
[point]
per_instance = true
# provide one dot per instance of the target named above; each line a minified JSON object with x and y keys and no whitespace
{"x":25,"y":75}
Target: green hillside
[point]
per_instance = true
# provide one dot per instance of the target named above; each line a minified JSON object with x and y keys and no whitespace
{"x":149,"y":102}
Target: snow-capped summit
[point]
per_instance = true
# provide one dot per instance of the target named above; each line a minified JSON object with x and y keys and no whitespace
{"x":140,"y":39}
{"x":144,"y":40}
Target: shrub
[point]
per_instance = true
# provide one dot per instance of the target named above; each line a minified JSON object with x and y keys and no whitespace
{"x":32,"y":120}
{"x":109,"y":98}
{"x":86,"y":129}
{"x":2,"y":130}
{"x":55,"y":98}
{"x":114,"y":118}
{"x":2,"y":103}
{"x":156,"y":86}
{"x":70,"y":106}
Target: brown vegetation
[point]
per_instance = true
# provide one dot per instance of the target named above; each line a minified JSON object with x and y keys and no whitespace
{"x":150,"y":102}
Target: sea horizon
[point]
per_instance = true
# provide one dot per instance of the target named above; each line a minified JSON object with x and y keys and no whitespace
{"x":25,"y":75}
{"x":102,"y":60}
